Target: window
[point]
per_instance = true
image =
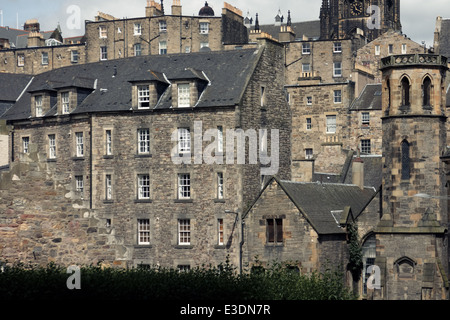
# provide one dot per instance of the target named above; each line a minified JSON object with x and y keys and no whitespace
{"x":369,"y":255}
{"x":162,"y":26}
{"x":306,"y":67}
{"x":184,"y":95}
{"x":391,"y":49}
{"x":377,"y":50}
{"x":204,"y":45}
{"x":102,"y":32}
{"x":163,"y":47}
{"x":219,"y":139}
{"x":337,"y":96}
{"x":52,"y":146}
{"x":143,"y":231}
{"x":337,"y":69}
{"x":109,"y":150}
{"x":331,"y":124}
{"x":143,"y":97}
{"x":366,"y":146}
{"x":406,"y":163}
{"x":65,"y":102}
{"x":137,"y":29}
{"x":426,"y":92}
{"x":184,"y":186}
{"x":20,"y":60}
{"x":44,"y":59}
{"x":263,"y":96}
{"x":144,"y":141}
{"x":108,"y":187}
{"x":103,"y":53}
{"x":337,"y":47}
{"x":365,"y":118}
{"x":405,"y":85}
{"x":26,"y":144}
{"x":306,"y":48}
{"x":79,"y":184}
{"x":74,"y":56}
{"x":184,"y":140}
{"x":137,"y":50}
{"x":204,"y":27}
{"x":308,"y":123}
{"x":38,"y":106}
{"x":274,"y":230}
{"x":309,"y":101}
{"x":143,"y":187}
{"x":184,"y":232}
{"x":220,"y":232}
{"x":79,"y":144}
{"x":309,"y":153}
{"x":220,"y":193}
{"x":404,"y":48}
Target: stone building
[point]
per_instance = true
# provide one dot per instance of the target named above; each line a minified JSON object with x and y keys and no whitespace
{"x":136,"y":160}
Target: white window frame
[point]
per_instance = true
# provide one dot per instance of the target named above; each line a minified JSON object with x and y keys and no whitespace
{"x":103,"y":53}
{"x":102,"y":32}
{"x":79,"y":140}
{"x":20,"y":60}
{"x":163,"y":47}
{"x":137,"y":49}
{"x":137,"y":29}
{"x":306,"y":48}
{"x":309,"y":153}
{"x":365,"y":118}
{"x":44,"y":58}
{"x":366,"y":146}
{"x":220,"y":186}
{"x":143,"y":187}
{"x":220,"y":139}
{"x":377,"y":50}
{"x":26,"y":144}
{"x":184,"y":186}
{"x":143,"y":96}
{"x":331,"y":121}
{"x":144,"y":141}
{"x":184,"y":95}
{"x":220,"y":232}
{"x":65,"y":102}
{"x":163,"y":26}
{"x":404,"y":48}
{"x":108,"y":187}
{"x":79,"y":184}
{"x":204,"y":27}
{"x":184,"y":140}
{"x":337,"y":69}
{"x":143,"y":231}
{"x":52,"y":146}
{"x":109,"y":148}
{"x":309,"y":101}
{"x":337,"y":96}
{"x":74,"y":56}
{"x":337,"y":47}
{"x":308,"y":124}
{"x":184,"y":232}
{"x":38,"y":102}
{"x":306,"y":67}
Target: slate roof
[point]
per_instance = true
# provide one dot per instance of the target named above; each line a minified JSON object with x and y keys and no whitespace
{"x":445,"y":38}
{"x":317,"y":201}
{"x":369,"y":99}
{"x":225,"y":82}
{"x":373,"y":168}
{"x":12,"y":35}
{"x":310,"y":29}
{"x":11,"y":86}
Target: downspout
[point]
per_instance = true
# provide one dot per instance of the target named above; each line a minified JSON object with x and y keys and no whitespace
{"x":90,"y":162}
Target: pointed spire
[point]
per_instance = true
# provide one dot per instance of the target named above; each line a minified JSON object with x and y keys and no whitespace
{"x":257,"y":23}
{"x":289,"y":21}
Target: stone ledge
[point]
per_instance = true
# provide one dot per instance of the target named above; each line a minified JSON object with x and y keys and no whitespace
{"x":411,"y":230}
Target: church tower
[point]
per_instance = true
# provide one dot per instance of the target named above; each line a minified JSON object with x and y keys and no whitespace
{"x":412,"y":234}
{"x":341,"y":19}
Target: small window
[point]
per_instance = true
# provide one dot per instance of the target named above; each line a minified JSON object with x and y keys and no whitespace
{"x":143,"y":97}
{"x":79,"y":181}
{"x":102,"y":32}
{"x":65,"y":103}
{"x":184,"y":186}
{"x":306,"y":67}
{"x":365,"y":118}
{"x":337,"y":47}
{"x":38,"y":106}
{"x":103,"y":53}
{"x":162,"y":26}
{"x":331,"y":124}
{"x":406,"y":87}
{"x":108,"y":187}
{"x":308,"y":123}
{"x":163,"y":47}
{"x":204,"y":45}
{"x":309,"y":100}
{"x":143,"y":231}
{"x":263,"y":96}
{"x":44,"y":58}
{"x":144,"y":141}
{"x":184,"y":140}
{"x":220,"y":232}
{"x":143,"y":187}
{"x":306,"y":48}
{"x":309,"y":154}
{"x":184,"y":95}
{"x":274,"y":230}
{"x":220,"y":188}
{"x":184,"y":232}
{"x":51,"y":146}
{"x":404,"y":47}
{"x":391,"y":49}
{"x":366,"y":146}
{"x":109,"y":148}
{"x":20,"y":60}
{"x":377,"y":50}
{"x":204,"y":27}
{"x":26,"y":144}
{"x":219,"y":139}
{"x":426,"y":92}
{"x":79,"y":144}
{"x":74,"y":56}
{"x":337,"y":96}
{"x":137,"y":29}
{"x":337,"y":69}
{"x":137,"y":50}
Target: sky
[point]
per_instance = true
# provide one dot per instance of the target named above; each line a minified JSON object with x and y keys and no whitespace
{"x":418,"y":17}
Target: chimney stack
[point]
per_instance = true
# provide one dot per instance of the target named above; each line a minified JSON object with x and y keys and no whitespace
{"x":176,"y":8}
{"x":358,"y":171}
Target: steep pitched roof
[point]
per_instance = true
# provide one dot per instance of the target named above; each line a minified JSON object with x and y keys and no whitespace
{"x":445,"y":38}
{"x":12,"y":35}
{"x":110,"y":80}
{"x":323,"y":204}
{"x":11,"y":87}
{"x":310,"y":29}
{"x":369,"y":99}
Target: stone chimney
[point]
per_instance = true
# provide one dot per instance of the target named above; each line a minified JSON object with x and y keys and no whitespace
{"x":358,"y":171}
{"x":153,"y":9}
{"x":176,"y":8}
{"x":35,"y":39}
{"x":286,"y":34}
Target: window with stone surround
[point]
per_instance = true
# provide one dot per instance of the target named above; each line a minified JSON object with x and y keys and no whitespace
{"x":103,"y":53}
{"x":143,"y":96}
{"x":79,"y":141}
{"x":79,"y":184}
{"x":51,"y":146}
{"x":65,"y":102}
{"x":220,"y":232}
{"x":143,"y":231}
{"x":184,"y":95}
{"x":184,"y":186}
{"x":108,"y":187}
{"x":137,"y":49}
{"x":337,"y":98}
{"x":25,"y":144}
{"x":204,"y":27}
{"x":337,"y":47}
{"x":162,"y":26}
{"x":144,"y":141}
{"x":163,"y":47}
{"x":366,"y":146}
{"x":184,"y":140}
{"x":306,"y":48}
{"x":108,"y":142}
{"x":220,"y":186}
{"x":274,"y":231}
{"x":137,"y":29}
{"x":184,"y":232}
{"x":426,"y":92}
{"x":331,"y":124}
{"x":337,"y":69}
{"x":143,"y":187}
{"x":365,"y":118}
{"x":38,"y":105}
{"x":102,"y":32}
{"x":405,"y":88}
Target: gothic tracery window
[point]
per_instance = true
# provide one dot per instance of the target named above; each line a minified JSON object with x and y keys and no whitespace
{"x":426,"y":92}
{"x":406,"y":88}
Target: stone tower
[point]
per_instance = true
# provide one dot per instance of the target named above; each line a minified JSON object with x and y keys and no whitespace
{"x":412,"y":235}
{"x":340,"y":19}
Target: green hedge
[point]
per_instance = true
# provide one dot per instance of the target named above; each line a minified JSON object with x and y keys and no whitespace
{"x":207,"y":283}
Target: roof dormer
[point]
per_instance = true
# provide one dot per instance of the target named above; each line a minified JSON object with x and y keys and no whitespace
{"x":147,"y":90}
{"x":187,"y":87}
{"x":43,"y":99}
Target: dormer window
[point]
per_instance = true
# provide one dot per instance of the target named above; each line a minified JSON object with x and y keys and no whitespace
{"x":65,"y":103}
{"x":184,"y":95}
{"x":38,"y":106}
{"x":143,"y":97}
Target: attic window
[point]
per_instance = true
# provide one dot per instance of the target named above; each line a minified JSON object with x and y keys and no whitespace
{"x":184,"y":96}
{"x":38,"y":106}
{"x":65,"y":102}
{"x":143,"y":97}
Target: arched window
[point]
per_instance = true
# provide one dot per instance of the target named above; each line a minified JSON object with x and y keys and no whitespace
{"x":369,"y":255}
{"x":406,"y":163}
{"x":406,"y":87}
{"x":426,"y":92}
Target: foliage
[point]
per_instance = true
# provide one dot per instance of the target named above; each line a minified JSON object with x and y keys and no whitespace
{"x":206,"y":283}
{"x":356,"y":256}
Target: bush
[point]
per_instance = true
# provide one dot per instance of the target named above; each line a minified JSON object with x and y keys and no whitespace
{"x":206,"y":283}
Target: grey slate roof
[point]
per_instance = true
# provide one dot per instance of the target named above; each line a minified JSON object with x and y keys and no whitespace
{"x":11,"y":86}
{"x":316,"y":201}
{"x":227,"y":73}
{"x":12,"y":35}
{"x":445,"y":38}
{"x":369,"y":99}
{"x":310,"y":29}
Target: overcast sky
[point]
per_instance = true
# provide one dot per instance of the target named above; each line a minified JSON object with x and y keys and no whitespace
{"x":418,"y":16}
